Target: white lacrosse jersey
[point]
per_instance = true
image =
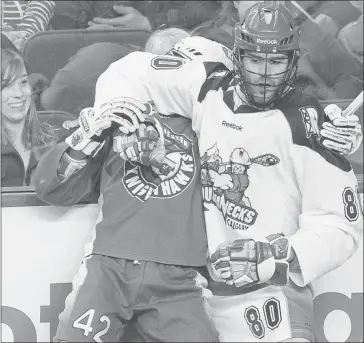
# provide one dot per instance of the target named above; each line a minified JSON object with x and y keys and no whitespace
{"x":262,"y":172}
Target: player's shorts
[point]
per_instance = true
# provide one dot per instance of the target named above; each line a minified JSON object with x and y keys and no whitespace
{"x":166,"y":303}
{"x":269,"y":314}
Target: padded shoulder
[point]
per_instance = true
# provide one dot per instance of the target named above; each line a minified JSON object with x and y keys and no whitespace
{"x":305,"y":116}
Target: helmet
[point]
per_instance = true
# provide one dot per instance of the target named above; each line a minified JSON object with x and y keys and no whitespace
{"x":266,"y":29}
{"x":240,"y":156}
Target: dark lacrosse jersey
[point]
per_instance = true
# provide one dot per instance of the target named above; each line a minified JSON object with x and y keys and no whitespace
{"x":154,"y":215}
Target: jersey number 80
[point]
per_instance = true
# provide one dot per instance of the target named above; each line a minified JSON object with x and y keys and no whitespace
{"x":352,"y":204}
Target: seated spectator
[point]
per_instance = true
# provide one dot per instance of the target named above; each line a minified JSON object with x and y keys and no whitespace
{"x":153,"y":15}
{"x":148,"y":15}
{"x":334,"y":15}
{"x":351,"y":39}
{"x":21,"y":19}
{"x":25,"y":137}
{"x":334,"y":71}
{"x":220,"y":28}
{"x":73,"y":87}
{"x":351,"y":35}
{"x":70,"y":15}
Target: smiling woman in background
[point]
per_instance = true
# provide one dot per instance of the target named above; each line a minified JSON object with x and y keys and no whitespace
{"x":24,"y":136}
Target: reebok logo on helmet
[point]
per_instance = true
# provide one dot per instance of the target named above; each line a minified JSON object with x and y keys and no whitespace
{"x":267,"y":41}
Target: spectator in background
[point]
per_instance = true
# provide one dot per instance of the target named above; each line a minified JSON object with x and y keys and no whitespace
{"x":351,"y":38}
{"x":76,"y":14}
{"x":327,"y":60}
{"x":231,"y":12}
{"x":73,"y":87}
{"x":351,"y":35}
{"x":25,"y":137}
{"x":148,"y":15}
{"x":334,"y":15}
{"x":152,"y":15}
{"x":21,"y":19}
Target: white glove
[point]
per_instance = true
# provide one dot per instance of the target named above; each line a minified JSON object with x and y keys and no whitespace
{"x":127,"y":112}
{"x":87,"y":138}
{"x":342,"y":134}
{"x":95,"y":127}
{"x":245,"y":262}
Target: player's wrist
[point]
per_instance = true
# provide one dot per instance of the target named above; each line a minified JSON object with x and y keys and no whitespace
{"x":76,"y":154}
{"x":69,"y":166}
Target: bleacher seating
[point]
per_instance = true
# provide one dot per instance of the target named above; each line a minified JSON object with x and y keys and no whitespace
{"x":47,"y":52}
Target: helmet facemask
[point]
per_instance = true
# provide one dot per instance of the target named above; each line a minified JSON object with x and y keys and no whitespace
{"x":264,"y":45}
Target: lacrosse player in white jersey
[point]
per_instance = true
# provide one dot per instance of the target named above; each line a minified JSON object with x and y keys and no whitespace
{"x":281,"y":210}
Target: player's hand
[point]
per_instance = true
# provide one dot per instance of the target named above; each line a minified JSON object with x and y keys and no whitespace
{"x":144,"y":146}
{"x":91,"y":132}
{"x":245,"y":262}
{"x":343,"y":134}
{"x":129,"y":113}
{"x":128,"y":17}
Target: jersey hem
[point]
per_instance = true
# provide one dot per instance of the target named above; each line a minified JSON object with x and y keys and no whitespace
{"x":177,"y":261}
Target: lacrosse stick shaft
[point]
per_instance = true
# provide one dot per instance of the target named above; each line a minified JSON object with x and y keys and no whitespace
{"x":354,"y":106}
{"x":294,"y":3}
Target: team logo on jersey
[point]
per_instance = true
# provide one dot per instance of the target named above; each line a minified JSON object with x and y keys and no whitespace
{"x":171,"y":178}
{"x":224,"y":184}
{"x":310,"y":120}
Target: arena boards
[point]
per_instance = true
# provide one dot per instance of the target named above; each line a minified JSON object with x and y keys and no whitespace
{"x":42,"y":248}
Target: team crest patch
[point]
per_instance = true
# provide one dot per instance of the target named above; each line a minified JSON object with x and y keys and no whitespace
{"x":224,"y":184}
{"x":310,"y":120}
{"x":171,"y":178}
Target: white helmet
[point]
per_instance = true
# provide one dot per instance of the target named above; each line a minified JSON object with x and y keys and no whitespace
{"x":240,"y":156}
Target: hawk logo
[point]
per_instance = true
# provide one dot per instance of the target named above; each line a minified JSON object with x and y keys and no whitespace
{"x":309,"y":118}
{"x":173,"y":176}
